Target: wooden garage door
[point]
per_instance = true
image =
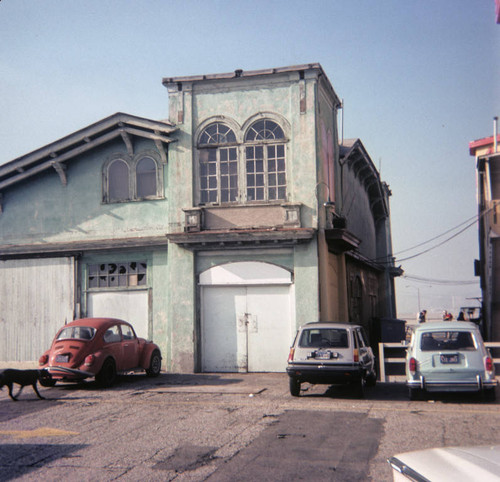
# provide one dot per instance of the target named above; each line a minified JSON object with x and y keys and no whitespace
{"x":247,"y":318}
{"x":36,"y":299}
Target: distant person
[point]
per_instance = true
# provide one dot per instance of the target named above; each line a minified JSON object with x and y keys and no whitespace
{"x":422,"y":316}
{"x":461,"y":316}
{"x":447,"y":316}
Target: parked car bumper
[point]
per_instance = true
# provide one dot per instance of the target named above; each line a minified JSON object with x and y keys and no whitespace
{"x":324,"y":374}
{"x":444,"y":385}
{"x":70,"y":374}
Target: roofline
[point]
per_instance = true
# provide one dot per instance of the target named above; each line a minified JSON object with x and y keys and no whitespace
{"x":79,"y":135}
{"x":240,"y":73}
{"x":486,"y":141}
{"x":347,"y":147}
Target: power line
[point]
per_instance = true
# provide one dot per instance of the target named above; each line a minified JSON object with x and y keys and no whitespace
{"x":420,"y":279}
{"x":439,"y":235}
{"x":474,"y":220}
{"x":399,"y":260}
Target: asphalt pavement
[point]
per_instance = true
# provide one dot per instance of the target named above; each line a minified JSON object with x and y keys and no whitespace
{"x":221,"y":427}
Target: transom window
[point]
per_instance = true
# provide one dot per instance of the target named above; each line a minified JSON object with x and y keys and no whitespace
{"x":217,"y":133}
{"x":264,"y":129}
{"x":255,"y":171}
{"x":114,"y":275}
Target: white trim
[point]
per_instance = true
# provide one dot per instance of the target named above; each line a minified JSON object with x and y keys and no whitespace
{"x":245,"y":273}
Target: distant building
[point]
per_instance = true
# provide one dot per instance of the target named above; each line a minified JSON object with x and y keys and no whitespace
{"x":487,"y":157}
{"x":216,"y":233}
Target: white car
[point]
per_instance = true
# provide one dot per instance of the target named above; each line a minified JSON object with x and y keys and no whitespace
{"x":449,"y":357}
{"x":448,"y":464}
{"x":331,"y":353}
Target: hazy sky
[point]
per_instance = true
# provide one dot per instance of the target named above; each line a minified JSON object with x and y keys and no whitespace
{"x":419,"y":79}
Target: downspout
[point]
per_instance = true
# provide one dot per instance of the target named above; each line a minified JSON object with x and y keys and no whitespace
{"x":495,"y":134}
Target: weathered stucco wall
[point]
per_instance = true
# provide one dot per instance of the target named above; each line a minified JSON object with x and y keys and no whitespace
{"x":44,"y":210}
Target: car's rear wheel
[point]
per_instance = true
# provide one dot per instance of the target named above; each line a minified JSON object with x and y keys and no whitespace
{"x":294,"y":387}
{"x":154,"y":365}
{"x":107,"y":375}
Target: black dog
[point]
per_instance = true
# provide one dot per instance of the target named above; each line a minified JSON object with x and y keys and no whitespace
{"x":10,"y":376}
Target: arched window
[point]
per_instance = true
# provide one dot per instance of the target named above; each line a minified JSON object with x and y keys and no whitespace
{"x":218,"y":164}
{"x":118,"y":181}
{"x":265,"y":161}
{"x":146,"y":177}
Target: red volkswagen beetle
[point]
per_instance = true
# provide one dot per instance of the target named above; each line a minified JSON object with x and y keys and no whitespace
{"x":100,"y":348}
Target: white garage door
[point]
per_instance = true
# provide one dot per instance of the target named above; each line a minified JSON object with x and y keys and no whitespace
{"x":247,"y":318}
{"x":36,"y":299}
{"x":131,"y":306}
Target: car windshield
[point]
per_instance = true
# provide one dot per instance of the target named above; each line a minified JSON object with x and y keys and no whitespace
{"x":77,"y":332}
{"x":447,"y":340}
{"x":324,"y":337}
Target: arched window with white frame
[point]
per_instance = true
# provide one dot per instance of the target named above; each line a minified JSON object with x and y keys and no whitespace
{"x":265,"y":157}
{"x":218,"y":164}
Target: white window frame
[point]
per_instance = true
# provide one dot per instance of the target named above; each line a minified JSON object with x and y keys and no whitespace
{"x":239,"y":146}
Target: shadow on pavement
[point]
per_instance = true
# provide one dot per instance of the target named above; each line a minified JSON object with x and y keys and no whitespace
{"x":18,"y":460}
{"x":393,"y":391}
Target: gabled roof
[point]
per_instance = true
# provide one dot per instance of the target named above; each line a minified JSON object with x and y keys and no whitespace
{"x":354,"y":154}
{"x":55,"y":154}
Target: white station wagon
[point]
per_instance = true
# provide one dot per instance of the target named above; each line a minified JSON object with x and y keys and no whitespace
{"x":331,"y":353}
{"x":449,"y":357}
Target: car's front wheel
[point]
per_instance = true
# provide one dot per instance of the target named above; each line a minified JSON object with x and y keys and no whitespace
{"x":294,"y":387}
{"x":107,"y":375}
{"x":154,"y":365}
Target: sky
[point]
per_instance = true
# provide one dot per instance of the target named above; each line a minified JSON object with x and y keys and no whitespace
{"x":419,"y":81}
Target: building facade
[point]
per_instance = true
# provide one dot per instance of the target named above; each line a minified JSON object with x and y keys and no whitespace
{"x":487,"y":157}
{"x":216,"y":233}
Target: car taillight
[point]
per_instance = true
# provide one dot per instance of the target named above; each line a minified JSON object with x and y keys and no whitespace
{"x":488,"y":364}
{"x":43,"y":360}
{"x":412,"y":365}
{"x":356,"y":355}
{"x":89,"y":360}
{"x":290,"y":355}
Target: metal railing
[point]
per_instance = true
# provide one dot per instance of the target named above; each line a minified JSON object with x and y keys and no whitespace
{"x":396,"y":360}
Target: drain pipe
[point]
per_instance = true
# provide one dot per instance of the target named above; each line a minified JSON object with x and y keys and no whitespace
{"x":495,"y":134}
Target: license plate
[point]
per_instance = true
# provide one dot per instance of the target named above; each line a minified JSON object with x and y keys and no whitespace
{"x":62,"y":358}
{"x":323,"y":355}
{"x":449,"y":359}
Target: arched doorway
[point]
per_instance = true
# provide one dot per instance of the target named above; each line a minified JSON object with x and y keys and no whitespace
{"x":247,"y":317}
